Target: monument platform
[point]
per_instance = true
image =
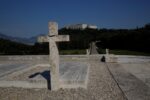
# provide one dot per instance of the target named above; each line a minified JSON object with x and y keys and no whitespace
{"x":128,"y":78}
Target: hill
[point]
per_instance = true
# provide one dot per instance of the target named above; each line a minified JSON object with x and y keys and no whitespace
{"x":8,"y":47}
{"x":29,"y":41}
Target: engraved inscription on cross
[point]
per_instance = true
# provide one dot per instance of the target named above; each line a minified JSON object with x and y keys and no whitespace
{"x":52,"y":38}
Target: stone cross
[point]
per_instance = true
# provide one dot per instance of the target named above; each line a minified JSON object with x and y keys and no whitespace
{"x":107,"y":51}
{"x":52,"y":38}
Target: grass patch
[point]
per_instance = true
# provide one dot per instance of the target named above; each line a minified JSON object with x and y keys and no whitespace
{"x":72,"y":52}
{"x":102,"y":51}
{"x":126,"y":52}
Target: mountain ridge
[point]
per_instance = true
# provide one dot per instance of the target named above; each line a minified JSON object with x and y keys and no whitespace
{"x":28,"y":41}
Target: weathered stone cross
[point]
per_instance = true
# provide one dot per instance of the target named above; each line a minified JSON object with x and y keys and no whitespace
{"x":52,"y":38}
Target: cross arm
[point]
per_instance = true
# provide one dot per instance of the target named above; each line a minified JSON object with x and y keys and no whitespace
{"x":56,"y":38}
{"x":60,"y":38}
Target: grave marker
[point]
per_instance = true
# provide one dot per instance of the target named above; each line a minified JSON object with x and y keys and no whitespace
{"x":52,"y":38}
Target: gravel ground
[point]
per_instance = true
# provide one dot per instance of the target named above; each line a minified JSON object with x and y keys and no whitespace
{"x":101,"y":86}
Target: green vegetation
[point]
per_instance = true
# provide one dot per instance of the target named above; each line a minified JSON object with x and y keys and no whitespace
{"x":71,"y":52}
{"x":8,"y":47}
{"x":126,"y":52}
{"x":122,"y":39}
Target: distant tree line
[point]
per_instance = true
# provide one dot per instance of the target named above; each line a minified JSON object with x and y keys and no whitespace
{"x":8,"y":47}
{"x":134,"y":39}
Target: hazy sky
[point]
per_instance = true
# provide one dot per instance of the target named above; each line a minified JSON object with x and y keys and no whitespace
{"x":26,"y":18}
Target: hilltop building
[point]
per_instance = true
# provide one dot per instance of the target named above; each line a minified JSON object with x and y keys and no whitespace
{"x":81,"y":26}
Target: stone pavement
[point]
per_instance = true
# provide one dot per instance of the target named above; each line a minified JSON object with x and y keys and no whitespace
{"x":133,"y":79}
{"x":93,"y":48}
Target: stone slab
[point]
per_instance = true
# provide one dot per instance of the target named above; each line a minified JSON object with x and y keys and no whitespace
{"x":73,"y":74}
{"x":7,"y":68}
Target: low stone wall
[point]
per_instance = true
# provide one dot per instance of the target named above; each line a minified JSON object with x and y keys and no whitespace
{"x":127,"y":58}
{"x":24,"y":58}
{"x":108,"y":58}
{"x":40,"y":57}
